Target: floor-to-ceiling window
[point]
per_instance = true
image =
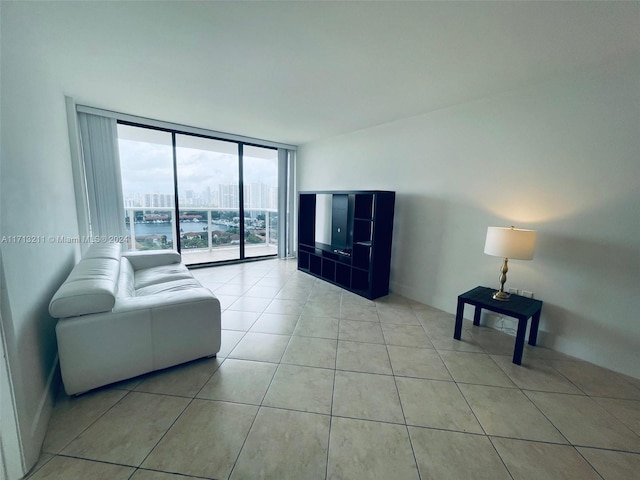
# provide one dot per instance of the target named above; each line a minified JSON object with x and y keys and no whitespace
{"x":260,"y":192}
{"x":148,"y":187}
{"x":208,"y":173}
{"x":226,"y":191}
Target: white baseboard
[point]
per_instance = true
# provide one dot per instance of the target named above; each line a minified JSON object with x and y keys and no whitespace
{"x":405,"y":291}
{"x":32,"y":446}
{"x":11,"y":458}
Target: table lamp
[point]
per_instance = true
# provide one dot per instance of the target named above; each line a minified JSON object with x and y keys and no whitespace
{"x":509,"y":242}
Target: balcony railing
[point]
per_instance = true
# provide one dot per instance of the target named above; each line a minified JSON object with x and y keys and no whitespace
{"x":206,"y":233}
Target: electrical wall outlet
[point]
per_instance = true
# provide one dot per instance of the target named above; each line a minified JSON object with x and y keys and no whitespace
{"x":514,"y":291}
{"x":527,"y":294}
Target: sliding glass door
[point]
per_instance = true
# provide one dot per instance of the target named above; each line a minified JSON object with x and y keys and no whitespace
{"x":148,"y":187}
{"x":226,"y":192}
{"x":260,"y":192}
{"x":208,"y":199}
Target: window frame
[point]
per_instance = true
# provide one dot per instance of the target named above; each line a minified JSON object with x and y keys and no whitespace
{"x":285,"y":169}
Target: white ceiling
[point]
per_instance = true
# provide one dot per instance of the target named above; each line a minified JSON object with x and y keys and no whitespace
{"x":301,"y":71}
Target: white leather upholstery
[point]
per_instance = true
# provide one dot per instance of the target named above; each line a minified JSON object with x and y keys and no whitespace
{"x":92,"y":285}
{"x":164,"y":273}
{"x":152,"y":258}
{"x":110,"y":329}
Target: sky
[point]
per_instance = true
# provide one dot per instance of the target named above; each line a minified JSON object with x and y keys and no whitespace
{"x":147,"y":166}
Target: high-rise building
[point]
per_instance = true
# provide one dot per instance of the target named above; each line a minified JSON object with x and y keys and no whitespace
{"x":228,"y":196}
{"x":273,"y":198}
{"x":260,"y":195}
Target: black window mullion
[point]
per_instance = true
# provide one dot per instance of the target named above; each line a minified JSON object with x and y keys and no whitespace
{"x":241,"y":198}
{"x":241,"y":207}
{"x":176,"y":209}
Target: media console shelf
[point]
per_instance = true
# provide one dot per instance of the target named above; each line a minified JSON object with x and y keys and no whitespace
{"x":356,"y":255}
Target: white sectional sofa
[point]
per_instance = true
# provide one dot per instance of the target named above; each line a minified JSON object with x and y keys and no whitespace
{"x":122,"y":314}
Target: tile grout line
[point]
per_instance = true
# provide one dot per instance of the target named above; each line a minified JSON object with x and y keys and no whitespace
{"x":500,"y":456}
{"x":258,"y":407}
{"x":331,"y":415}
{"x":94,"y":421}
{"x":404,"y":417}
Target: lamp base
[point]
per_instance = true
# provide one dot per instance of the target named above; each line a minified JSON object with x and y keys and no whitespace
{"x":501,"y":296}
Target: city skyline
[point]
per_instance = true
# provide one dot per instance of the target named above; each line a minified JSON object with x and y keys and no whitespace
{"x":225,"y":196}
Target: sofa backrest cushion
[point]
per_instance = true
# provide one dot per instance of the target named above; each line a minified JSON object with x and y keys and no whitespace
{"x":126,"y":284}
{"x":92,"y":285}
{"x":103,"y":250}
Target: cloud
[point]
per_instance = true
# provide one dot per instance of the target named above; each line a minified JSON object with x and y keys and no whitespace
{"x":148,"y":168}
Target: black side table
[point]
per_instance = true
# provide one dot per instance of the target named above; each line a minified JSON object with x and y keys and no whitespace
{"x":517,"y":306}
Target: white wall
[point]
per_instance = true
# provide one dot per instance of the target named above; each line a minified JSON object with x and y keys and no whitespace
{"x":562,"y":158}
{"x":37,"y":199}
{"x":323,"y":219}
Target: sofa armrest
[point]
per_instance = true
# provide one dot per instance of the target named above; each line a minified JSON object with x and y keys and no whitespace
{"x":152,"y":258}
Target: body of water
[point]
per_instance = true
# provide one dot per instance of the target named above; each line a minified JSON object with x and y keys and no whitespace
{"x":185,"y":227}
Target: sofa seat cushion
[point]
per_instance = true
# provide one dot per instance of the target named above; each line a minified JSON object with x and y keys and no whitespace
{"x":167,"y":287}
{"x":160,"y":274}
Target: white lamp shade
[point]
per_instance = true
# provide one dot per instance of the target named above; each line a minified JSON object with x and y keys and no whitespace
{"x":510,"y":242}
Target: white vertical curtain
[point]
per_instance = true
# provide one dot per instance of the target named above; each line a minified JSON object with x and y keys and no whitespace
{"x":99,"y":139}
{"x":286,"y":200}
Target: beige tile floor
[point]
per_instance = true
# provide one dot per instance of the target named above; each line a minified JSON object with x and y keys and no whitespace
{"x":313,"y":382}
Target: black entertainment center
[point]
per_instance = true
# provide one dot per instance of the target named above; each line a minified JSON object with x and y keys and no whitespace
{"x":344,"y":237}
